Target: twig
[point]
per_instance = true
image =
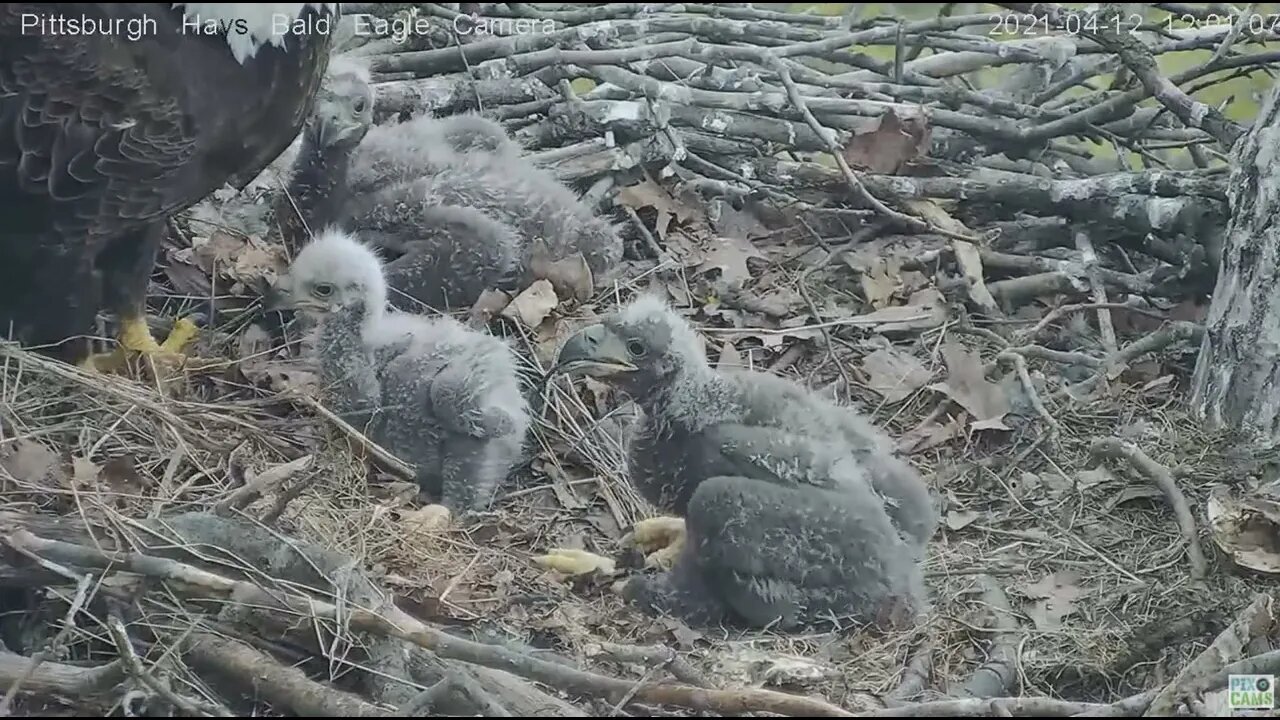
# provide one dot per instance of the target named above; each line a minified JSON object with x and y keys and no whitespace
{"x":999,"y":673}
{"x":456,"y":687}
{"x":1091,"y":268}
{"x":657,"y":656}
{"x":1056,"y":314}
{"x":280,"y":685}
{"x":1257,"y":620}
{"x":1156,"y":473}
{"x":405,"y":627}
{"x":915,"y":676}
{"x":133,"y":663}
{"x":257,"y":484}
{"x":1020,"y":367}
{"x":54,"y":646}
{"x":1017,"y":706}
{"x":394,"y":464}
{"x":859,"y":190}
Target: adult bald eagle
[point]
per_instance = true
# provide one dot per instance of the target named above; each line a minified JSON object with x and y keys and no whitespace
{"x":114,"y":116}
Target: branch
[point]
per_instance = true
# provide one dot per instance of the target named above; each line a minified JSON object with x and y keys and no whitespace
{"x":186,"y":578}
{"x":1156,"y":473}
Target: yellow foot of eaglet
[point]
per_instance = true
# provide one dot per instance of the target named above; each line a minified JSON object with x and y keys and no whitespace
{"x":661,"y":538}
{"x":571,"y":561}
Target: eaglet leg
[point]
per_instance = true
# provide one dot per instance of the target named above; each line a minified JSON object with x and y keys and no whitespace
{"x":127,"y":266}
{"x":773,"y":555}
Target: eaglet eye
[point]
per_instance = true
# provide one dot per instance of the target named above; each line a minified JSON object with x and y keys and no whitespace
{"x":636,"y":348}
{"x":322,"y":290}
{"x":359,"y":105}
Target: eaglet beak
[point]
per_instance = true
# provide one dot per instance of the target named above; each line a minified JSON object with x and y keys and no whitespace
{"x":334,"y":126}
{"x":596,"y":351}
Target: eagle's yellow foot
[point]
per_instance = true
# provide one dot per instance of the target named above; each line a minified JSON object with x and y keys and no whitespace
{"x":136,"y":338}
{"x":660,"y":538}
{"x":571,"y":561}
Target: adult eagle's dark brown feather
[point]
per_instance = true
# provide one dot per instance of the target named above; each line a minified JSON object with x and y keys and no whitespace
{"x":103,"y":136}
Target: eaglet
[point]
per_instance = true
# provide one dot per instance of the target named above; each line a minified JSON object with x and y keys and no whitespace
{"x":434,"y":393}
{"x":452,"y":198}
{"x":795,"y":509}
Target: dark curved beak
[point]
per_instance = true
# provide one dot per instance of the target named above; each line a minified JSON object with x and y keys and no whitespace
{"x":594,"y":350}
{"x":334,"y":127}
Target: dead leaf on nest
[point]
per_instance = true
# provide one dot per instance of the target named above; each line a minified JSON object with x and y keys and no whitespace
{"x":730,"y":358}
{"x":729,"y":256}
{"x":892,"y":144}
{"x":924,"y":311}
{"x":242,"y":259}
{"x":533,"y":305}
{"x":571,"y":276}
{"x":426,"y":521}
{"x":1055,"y":595}
{"x":1086,"y":479}
{"x":84,"y":473}
{"x":930,"y":434}
{"x":967,"y":385}
{"x":29,"y":461}
{"x":1131,"y":493}
{"x":747,"y":666}
{"x":1248,"y":537}
{"x":961,"y":519}
{"x":648,"y":194}
{"x":894,"y":374}
{"x":879,"y":282}
{"x":490,"y":304}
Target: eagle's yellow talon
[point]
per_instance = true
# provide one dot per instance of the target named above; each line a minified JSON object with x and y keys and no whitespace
{"x":659,"y":532}
{"x":136,"y":336}
{"x":661,"y":538}
{"x":576,"y":562}
{"x":183,"y":333}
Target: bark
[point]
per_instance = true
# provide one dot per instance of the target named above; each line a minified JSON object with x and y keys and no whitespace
{"x":1236,"y":384}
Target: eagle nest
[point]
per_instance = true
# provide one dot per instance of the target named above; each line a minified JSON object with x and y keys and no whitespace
{"x":214,"y":541}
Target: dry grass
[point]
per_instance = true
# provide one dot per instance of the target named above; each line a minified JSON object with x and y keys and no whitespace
{"x":1015,"y":507}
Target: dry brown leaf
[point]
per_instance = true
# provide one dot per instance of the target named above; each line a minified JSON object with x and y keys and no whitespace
{"x":571,"y":276}
{"x":925,"y":310}
{"x":879,"y":282}
{"x":1249,"y":538}
{"x":967,"y":385}
{"x":730,"y":357}
{"x":1086,"y":479}
{"x":960,"y":519}
{"x":647,"y":194}
{"x":1131,"y":493}
{"x":929,"y":434}
{"x":84,"y":473}
{"x":425,"y":521}
{"x":490,"y":304}
{"x":729,"y":256}
{"x":29,"y":461}
{"x":1055,"y":593}
{"x":893,"y":143}
{"x":894,"y":374}
{"x":533,"y":305}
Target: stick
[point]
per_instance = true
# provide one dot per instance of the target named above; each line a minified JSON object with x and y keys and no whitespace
{"x":1257,"y":620}
{"x":133,"y":663}
{"x":283,"y":687}
{"x":405,"y":627}
{"x":1156,"y":473}
{"x":1020,"y":367}
{"x":657,"y":656}
{"x":54,"y":646}
{"x":999,"y":673}
{"x":259,"y":483}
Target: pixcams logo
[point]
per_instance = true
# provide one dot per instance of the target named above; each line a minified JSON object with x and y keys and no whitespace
{"x":1251,"y":692}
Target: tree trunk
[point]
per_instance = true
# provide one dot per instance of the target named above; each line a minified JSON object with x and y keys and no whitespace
{"x":1236,"y":385}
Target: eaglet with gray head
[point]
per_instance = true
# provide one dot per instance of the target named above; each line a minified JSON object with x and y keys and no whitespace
{"x":453,"y":198}
{"x":795,"y":509}
{"x":434,"y":393}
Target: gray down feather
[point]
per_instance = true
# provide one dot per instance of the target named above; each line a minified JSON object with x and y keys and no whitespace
{"x":796,"y":509}
{"x":436,"y":394}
